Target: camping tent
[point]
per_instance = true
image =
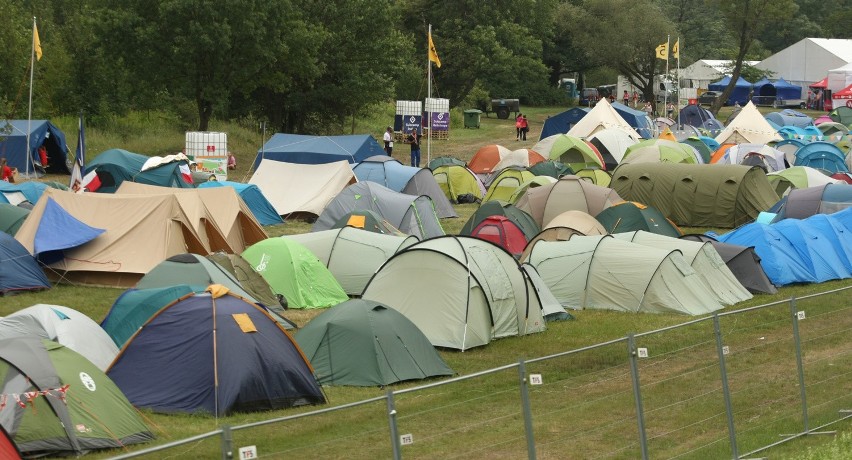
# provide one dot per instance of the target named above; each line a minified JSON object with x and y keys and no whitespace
{"x":260,"y":207}
{"x":467,"y":291}
{"x":486,"y":157}
{"x":711,"y":269}
{"x":19,"y":270}
{"x":366,"y":343}
{"x":13,"y":146}
{"x":250,"y":280}
{"x":821,"y":199}
{"x":563,"y":122}
{"x":637,"y":119}
{"x":772,"y":160}
{"x":570,"y":150}
{"x":695,"y":115}
{"x":748,"y":126}
{"x":602,"y":116}
{"x":12,"y":217}
{"x":444,"y":161}
{"x":612,"y":274}
{"x":68,"y":406}
{"x":366,"y":219}
{"x":134,"y":307}
{"x":503,"y":232}
{"x":702,"y":148}
{"x":697,"y":195}
{"x":295,"y":272}
{"x":550,"y":168}
{"x":842,"y":115}
{"x":579,"y":221}
{"x":740,"y":93}
{"x":162,"y":224}
{"x":629,"y":216}
{"x":115,"y":166}
{"x":506,"y":182}
{"x":301,"y":188}
{"x":455,"y":180}
{"x":797,"y":177}
{"x":414,"y":215}
{"x":780,"y":261}
{"x":523,"y":158}
{"x":500,"y":208}
{"x":568,"y":193}
{"x":790,"y":118}
{"x":389,"y":172}
{"x":612,"y":143}
{"x":214,"y":353}
{"x":64,"y":325}
{"x":659,"y":151}
{"x":314,"y":150}
{"x":352,"y":255}
{"x":821,"y":155}
{"x":743,"y":262}
{"x":24,"y":191}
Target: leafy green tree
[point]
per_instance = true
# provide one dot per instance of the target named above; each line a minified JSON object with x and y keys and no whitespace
{"x":747,"y":19}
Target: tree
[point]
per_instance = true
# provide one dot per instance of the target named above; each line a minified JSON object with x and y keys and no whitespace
{"x":629,"y":44}
{"x":746,"y":20}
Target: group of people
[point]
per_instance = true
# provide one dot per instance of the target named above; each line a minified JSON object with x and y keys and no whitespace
{"x":626,"y":99}
{"x":815,"y":101}
{"x":522,"y":127}
{"x":413,"y":139}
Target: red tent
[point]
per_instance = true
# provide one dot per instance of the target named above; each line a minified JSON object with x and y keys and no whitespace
{"x":8,"y":449}
{"x":822,"y":84}
{"x":502,"y":232}
{"x":845,"y":177}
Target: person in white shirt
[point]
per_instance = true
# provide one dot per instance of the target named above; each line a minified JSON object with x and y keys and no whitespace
{"x":389,"y":140}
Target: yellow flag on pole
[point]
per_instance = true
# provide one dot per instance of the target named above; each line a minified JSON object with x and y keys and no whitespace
{"x":676,"y":50}
{"x":433,"y":55}
{"x":36,"y":43}
{"x":663,"y":51}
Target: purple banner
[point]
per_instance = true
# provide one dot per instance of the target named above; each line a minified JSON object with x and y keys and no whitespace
{"x":440,"y":121}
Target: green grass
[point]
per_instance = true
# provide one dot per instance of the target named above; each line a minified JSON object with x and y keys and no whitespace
{"x":480,"y":417}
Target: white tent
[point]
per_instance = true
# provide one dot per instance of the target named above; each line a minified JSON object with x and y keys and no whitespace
{"x":301,"y":188}
{"x":702,"y":72}
{"x":808,"y":60}
{"x":748,"y":127}
{"x":840,"y":77}
{"x":602,"y":116}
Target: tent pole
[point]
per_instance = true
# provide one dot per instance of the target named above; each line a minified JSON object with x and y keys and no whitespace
{"x":215,"y":364}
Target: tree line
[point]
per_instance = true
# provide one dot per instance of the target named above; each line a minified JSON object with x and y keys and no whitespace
{"x":313,"y":66}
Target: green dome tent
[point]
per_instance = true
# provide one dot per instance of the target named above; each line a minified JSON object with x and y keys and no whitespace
{"x":364,"y":343}
{"x":629,"y":216}
{"x":76,"y":408}
{"x":295,"y":272}
{"x":455,"y":180}
{"x":503,"y":185}
{"x":11,"y":218}
{"x":501,"y":208}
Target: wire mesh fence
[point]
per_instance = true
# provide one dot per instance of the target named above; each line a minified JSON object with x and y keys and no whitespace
{"x":724,"y":386}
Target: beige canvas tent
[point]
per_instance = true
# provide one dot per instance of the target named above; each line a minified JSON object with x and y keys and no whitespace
{"x":301,"y":188}
{"x":465,"y":293}
{"x":141,"y":231}
{"x":581,"y":221}
{"x":602,"y":272}
{"x":749,"y":127}
{"x":217,"y":213}
{"x":601,"y":117}
{"x":569,"y":193}
{"x":351,"y":254}
{"x":703,"y":258}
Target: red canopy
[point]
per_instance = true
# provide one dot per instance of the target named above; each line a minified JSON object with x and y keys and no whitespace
{"x":820,"y":84}
{"x":845,"y":93}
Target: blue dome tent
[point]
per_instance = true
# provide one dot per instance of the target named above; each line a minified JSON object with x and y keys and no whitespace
{"x":13,"y":145}
{"x":822,"y":155}
{"x":562,"y":122}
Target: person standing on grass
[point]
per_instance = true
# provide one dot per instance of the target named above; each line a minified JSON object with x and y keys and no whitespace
{"x":525,"y":127}
{"x":414,"y":140}
{"x":7,"y":174}
{"x":626,"y":98}
{"x":518,"y":126}
{"x":388,"y":138}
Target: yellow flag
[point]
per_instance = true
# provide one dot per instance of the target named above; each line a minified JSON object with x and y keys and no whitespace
{"x":663,"y":51}
{"x":676,"y":50}
{"x":36,"y":43}
{"x":433,"y":55}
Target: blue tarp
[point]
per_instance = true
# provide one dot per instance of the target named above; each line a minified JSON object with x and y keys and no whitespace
{"x":821,"y":155}
{"x":13,"y":145}
{"x":740,"y":93}
{"x":786,"y":90}
{"x":813,"y":240}
{"x":638,"y":119}
{"x":32,"y":190}
{"x":19,"y":270}
{"x":169,"y":366}
{"x":312,"y":150}
{"x":562,"y":122}
{"x":57,"y":230}
{"x":807,"y":134}
{"x":262,"y":209}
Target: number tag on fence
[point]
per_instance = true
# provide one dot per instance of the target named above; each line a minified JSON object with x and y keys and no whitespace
{"x":248,"y":452}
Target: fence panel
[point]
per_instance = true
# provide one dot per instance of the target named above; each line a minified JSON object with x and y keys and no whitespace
{"x":325,"y":435}
{"x":584,"y":407}
{"x":487,"y":423}
{"x":682,"y":397}
{"x":762,"y":375}
{"x":825,"y":334}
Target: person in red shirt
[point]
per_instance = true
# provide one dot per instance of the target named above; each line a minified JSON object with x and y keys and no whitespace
{"x":6,"y":173}
{"x":42,"y":156}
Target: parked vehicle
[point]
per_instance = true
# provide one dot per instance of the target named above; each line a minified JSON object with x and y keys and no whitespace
{"x":589,"y":97}
{"x":708,"y":97}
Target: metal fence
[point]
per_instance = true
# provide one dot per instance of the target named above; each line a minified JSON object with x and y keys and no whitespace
{"x":735,"y":384}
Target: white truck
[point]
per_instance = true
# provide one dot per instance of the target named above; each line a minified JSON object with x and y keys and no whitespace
{"x":665,"y":88}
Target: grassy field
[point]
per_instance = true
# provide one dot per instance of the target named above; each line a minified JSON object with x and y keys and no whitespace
{"x":155,"y":134}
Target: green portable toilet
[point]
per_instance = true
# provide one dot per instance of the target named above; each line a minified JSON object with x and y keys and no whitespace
{"x":366,"y":343}
{"x":471,"y":118}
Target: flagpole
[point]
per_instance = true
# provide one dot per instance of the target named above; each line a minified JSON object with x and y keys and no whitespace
{"x":677,"y":103}
{"x":30,"y":112}
{"x":666,"y":93}
{"x":428,"y":99}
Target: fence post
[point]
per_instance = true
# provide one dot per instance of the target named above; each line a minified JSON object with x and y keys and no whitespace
{"x":525,"y":402}
{"x":637,"y":396}
{"x":227,"y":443}
{"x":726,"y":392}
{"x":796,"y":339}
{"x":394,"y":434}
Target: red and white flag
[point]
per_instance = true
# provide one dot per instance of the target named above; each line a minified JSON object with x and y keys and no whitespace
{"x":186,"y":173}
{"x":90,"y":182}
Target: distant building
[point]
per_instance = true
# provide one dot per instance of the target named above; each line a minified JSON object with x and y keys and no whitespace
{"x":701,"y":73}
{"x":809,"y":60}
